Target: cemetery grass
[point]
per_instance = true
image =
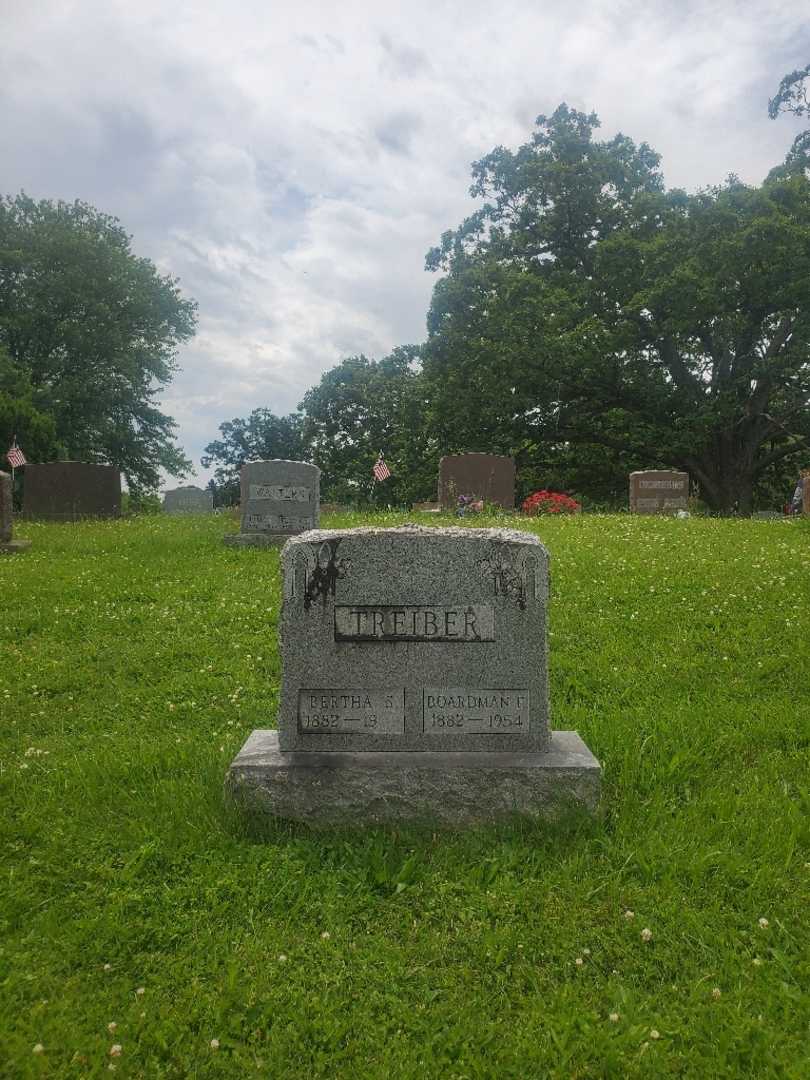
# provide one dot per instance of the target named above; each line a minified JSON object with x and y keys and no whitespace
{"x":667,"y":937}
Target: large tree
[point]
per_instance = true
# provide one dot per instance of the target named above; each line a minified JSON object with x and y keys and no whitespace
{"x":583,"y":305}
{"x":361,"y":407}
{"x":263,"y":435}
{"x":94,"y":329}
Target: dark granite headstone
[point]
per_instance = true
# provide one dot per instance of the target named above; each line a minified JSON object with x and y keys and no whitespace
{"x":71,"y":490}
{"x":490,"y":477}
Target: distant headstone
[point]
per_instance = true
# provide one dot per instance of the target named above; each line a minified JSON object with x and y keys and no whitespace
{"x":188,"y":500}
{"x":414,"y":683}
{"x":767,"y":515}
{"x":279,"y":499}
{"x":657,"y":491}
{"x":490,"y":477}
{"x":8,"y":545}
{"x":71,"y":490}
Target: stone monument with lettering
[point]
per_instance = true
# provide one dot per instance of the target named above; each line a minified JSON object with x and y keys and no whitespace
{"x":490,"y":477}
{"x":279,"y":499}
{"x":189,"y":499}
{"x":414,"y":683}
{"x":71,"y":490}
{"x":656,"y":491}
{"x":8,"y":545}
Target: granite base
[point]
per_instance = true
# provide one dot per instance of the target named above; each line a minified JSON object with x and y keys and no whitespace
{"x":14,"y":547}
{"x":449,"y":789}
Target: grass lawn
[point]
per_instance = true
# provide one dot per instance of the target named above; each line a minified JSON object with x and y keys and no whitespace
{"x":135,"y":658}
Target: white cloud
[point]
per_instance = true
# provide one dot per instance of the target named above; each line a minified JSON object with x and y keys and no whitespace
{"x":292,"y":163}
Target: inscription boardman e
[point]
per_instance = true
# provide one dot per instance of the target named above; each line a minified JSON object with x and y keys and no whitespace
{"x":414,"y":639}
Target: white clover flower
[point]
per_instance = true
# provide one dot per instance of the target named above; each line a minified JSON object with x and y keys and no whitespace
{"x":282,"y":959}
{"x":614,"y":1018}
{"x":756,"y":962}
{"x":579,"y":961}
{"x":716,"y":993}
{"x":629,"y":914}
{"x":215,"y":1044}
{"x":38,"y":1049}
{"x":655,"y":1034}
{"x":325,"y":935}
{"x":646,"y":934}
{"x":111,"y":1026}
{"x":764,"y":924}
{"x":141,"y":991}
{"x":116,"y":1049}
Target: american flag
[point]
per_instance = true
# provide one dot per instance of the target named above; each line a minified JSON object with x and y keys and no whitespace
{"x":381,"y":470}
{"x":15,"y":457}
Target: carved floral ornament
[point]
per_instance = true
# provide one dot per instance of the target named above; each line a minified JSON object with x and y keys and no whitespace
{"x":322,"y":569}
{"x":518,"y":580}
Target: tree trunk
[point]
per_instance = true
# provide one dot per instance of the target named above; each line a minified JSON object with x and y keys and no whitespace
{"x":726,"y":490}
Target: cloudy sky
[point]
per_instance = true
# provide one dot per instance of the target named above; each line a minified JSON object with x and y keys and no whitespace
{"x":292,"y":161}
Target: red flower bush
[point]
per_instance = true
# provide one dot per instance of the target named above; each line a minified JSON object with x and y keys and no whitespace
{"x":550,"y":502}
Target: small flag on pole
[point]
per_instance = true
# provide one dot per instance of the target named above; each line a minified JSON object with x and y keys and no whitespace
{"x":381,"y":470}
{"x":15,"y":456}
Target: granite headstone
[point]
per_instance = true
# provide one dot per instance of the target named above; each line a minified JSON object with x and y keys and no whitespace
{"x":490,"y":477}
{"x":189,"y":499}
{"x":8,"y":545}
{"x":71,"y":490}
{"x":279,"y":499}
{"x":656,"y":491}
{"x":414,"y":683}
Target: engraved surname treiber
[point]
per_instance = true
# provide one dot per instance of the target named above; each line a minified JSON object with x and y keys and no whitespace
{"x":414,"y":622}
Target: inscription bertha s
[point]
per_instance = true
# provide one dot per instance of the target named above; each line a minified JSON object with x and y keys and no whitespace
{"x":414,"y":622}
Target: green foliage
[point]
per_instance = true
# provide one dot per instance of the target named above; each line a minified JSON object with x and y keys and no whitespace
{"x":93,"y":330}
{"x":137,"y":655}
{"x":263,"y":435}
{"x":35,"y":430}
{"x":584,"y":306}
{"x":360,"y":407}
{"x":791,"y":97}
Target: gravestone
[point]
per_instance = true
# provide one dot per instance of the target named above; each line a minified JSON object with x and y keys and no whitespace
{"x":414,"y":683}
{"x":8,"y":545}
{"x":656,"y":491}
{"x":188,"y":500}
{"x":490,"y":477}
{"x":71,"y":490}
{"x":279,"y":499}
